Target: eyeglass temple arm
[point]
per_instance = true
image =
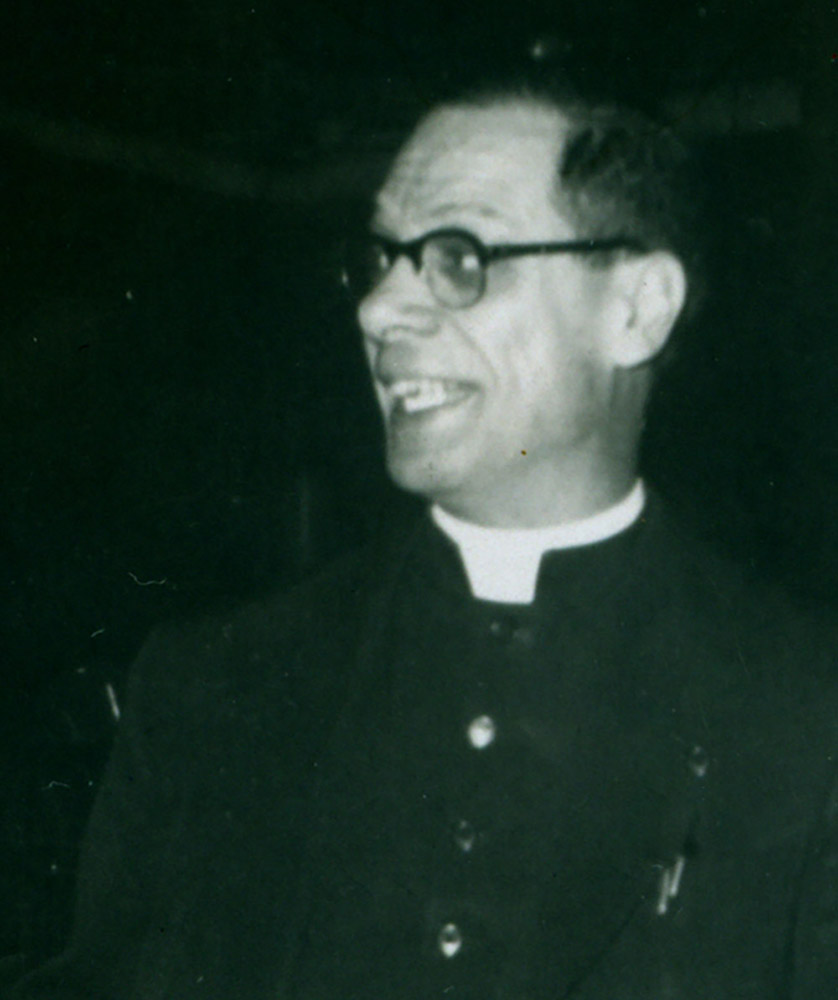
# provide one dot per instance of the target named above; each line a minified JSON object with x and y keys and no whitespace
{"x":500,"y":251}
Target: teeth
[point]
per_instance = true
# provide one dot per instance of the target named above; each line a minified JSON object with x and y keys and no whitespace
{"x":425,"y":393}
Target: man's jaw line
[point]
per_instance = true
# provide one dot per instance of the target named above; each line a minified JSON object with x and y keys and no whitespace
{"x":541,"y":493}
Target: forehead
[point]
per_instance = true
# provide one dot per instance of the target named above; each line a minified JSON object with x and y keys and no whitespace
{"x":497,"y":162}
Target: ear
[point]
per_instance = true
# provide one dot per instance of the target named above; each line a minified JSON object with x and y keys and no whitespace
{"x":651,"y":290}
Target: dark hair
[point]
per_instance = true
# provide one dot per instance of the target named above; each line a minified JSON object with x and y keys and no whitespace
{"x":621,"y":173}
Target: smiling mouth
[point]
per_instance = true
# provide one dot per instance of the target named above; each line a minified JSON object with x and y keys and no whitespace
{"x":420,"y":395}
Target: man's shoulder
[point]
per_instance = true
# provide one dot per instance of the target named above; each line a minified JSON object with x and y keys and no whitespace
{"x":696,"y":574}
{"x":751,"y":646}
{"x":300,"y":639}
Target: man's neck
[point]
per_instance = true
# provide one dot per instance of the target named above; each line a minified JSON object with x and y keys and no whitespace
{"x":502,"y":563}
{"x":547,"y":496}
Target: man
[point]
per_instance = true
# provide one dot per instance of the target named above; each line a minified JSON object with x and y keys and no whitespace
{"x":537,"y":745}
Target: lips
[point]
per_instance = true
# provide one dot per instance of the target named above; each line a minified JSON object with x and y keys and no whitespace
{"x":421,"y":395}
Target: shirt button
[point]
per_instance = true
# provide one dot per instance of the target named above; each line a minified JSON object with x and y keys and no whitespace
{"x":482,"y":731}
{"x":450,"y":940}
{"x":465,"y":835}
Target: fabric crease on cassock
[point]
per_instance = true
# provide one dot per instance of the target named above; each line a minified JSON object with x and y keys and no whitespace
{"x":287,"y":807}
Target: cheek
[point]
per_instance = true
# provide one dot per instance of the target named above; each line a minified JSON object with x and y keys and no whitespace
{"x":550,"y":391}
{"x":530,"y":357}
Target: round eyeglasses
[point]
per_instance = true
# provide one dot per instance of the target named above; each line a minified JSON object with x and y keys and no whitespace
{"x":453,"y":262}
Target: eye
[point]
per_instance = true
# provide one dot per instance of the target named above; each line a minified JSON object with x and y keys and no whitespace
{"x":366,"y":261}
{"x":457,"y":257}
{"x":379,"y":260}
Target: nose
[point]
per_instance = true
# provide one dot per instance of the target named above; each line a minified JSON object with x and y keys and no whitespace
{"x":401,"y":300}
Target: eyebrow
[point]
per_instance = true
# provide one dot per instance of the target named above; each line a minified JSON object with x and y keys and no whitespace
{"x":476,"y":208}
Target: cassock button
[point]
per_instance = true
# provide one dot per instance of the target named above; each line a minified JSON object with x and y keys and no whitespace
{"x":502,"y":629}
{"x":507,"y":630}
{"x":524,"y":636}
{"x":482,"y":732}
{"x":450,"y":940}
{"x":699,"y":761}
{"x":465,"y":835}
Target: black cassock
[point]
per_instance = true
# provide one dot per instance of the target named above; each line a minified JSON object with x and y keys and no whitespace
{"x":379,"y":787}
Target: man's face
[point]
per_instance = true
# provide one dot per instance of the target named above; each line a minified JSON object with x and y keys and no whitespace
{"x":485,"y":404}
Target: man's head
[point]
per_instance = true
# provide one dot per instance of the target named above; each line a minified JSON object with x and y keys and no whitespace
{"x":523,"y":405}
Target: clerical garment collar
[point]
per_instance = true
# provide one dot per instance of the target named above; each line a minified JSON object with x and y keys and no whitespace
{"x":502,"y":563}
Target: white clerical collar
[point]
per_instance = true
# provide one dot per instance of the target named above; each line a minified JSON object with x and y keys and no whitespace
{"x":502,"y":563}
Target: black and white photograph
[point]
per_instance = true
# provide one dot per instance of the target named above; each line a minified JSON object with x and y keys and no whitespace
{"x":418,"y":542}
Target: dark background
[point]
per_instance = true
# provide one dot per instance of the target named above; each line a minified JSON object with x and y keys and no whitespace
{"x":184,"y":418}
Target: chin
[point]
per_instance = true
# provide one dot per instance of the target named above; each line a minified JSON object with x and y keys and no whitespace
{"x":426,"y":478}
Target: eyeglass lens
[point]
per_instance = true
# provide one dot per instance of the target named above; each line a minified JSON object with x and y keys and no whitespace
{"x":454,"y":270}
{"x":449,"y":262}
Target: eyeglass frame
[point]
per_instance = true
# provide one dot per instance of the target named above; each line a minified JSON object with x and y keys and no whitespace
{"x":486,"y":254}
